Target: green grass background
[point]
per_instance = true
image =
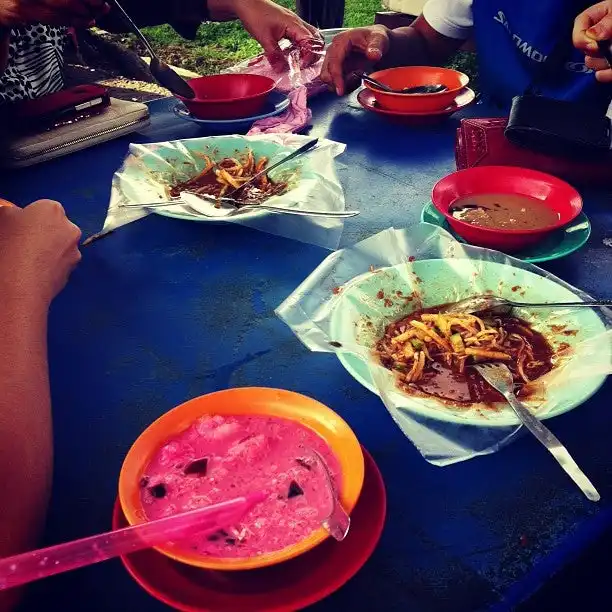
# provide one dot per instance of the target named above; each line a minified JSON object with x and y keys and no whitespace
{"x":220,"y":45}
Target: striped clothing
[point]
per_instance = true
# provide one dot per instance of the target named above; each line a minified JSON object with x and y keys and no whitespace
{"x":35,"y":63}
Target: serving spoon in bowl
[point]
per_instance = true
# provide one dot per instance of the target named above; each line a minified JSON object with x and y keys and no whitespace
{"x":499,"y":305}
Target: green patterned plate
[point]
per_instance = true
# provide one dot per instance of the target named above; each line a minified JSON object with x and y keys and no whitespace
{"x":558,"y":244}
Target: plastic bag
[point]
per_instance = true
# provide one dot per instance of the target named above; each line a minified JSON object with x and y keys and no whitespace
{"x":149,"y":169}
{"x":299,"y":66}
{"x":346,"y":303}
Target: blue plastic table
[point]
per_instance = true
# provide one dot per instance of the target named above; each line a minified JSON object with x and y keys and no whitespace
{"x":164,"y":310}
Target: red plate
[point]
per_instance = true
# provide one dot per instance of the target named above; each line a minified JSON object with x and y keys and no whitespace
{"x":286,"y":587}
{"x":466,"y":97}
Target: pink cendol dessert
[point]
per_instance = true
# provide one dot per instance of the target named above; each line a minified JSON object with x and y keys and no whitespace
{"x":218,"y":458}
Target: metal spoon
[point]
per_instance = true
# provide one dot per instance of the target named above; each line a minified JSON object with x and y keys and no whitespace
{"x":371,"y":81}
{"x":221,"y":213}
{"x":419,"y":89}
{"x":160,"y":70}
{"x":500,"y":378}
{"x":489,"y":303}
{"x":338,"y":523}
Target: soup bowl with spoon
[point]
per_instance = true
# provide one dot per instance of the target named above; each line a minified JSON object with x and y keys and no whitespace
{"x":505,"y":207}
{"x":416,"y":89}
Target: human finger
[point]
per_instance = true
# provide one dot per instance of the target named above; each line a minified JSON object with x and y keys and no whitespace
{"x":596,"y":63}
{"x":45,"y":206}
{"x":332,"y":72}
{"x":602,"y":29}
{"x":604,"y":76}
{"x":377,"y":45}
{"x":583,"y":24}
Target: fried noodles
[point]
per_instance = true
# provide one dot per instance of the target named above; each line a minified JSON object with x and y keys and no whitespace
{"x":419,"y":346}
{"x":219,"y":179}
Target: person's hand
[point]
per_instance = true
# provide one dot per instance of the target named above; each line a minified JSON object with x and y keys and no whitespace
{"x":38,"y":251}
{"x":76,"y":13}
{"x":268,"y":23}
{"x":352,"y":53}
{"x":592,"y":25}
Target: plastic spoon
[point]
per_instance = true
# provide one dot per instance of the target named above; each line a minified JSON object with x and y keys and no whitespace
{"x":37,"y":564}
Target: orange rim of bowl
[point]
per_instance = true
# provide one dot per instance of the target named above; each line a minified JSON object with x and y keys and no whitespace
{"x":464,"y":79}
{"x":245,"y":400}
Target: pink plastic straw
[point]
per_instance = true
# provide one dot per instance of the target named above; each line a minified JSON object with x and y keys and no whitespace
{"x":44,"y":562}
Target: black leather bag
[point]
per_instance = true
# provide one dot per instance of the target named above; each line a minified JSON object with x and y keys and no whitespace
{"x":557,"y":127}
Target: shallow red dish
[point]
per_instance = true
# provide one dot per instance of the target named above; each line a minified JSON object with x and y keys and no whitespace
{"x":228,"y":96}
{"x":558,"y":195}
{"x":286,"y":587}
{"x":366,"y":98}
{"x":413,"y":76}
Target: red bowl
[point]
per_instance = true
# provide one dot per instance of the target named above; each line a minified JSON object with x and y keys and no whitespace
{"x":412,"y":76}
{"x":228,"y":96}
{"x":558,"y":195}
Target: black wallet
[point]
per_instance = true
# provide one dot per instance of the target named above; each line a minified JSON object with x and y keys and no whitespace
{"x":558,"y":127}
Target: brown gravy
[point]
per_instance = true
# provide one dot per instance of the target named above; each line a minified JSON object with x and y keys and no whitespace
{"x":504,"y":211}
{"x":468,"y":387}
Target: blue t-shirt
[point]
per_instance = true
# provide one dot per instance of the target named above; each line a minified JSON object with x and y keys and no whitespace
{"x":513,"y":40}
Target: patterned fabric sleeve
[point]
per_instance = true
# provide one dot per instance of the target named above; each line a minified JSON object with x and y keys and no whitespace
{"x":35,"y":63}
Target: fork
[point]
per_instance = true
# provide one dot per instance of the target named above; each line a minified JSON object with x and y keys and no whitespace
{"x":500,"y":378}
{"x":491,"y":303}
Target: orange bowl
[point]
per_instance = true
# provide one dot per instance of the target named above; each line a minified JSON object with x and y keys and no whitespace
{"x":248,"y":400}
{"x":412,"y":76}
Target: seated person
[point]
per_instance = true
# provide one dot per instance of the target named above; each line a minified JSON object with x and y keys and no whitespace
{"x":38,"y":250}
{"x":31,"y":54}
{"x":520,"y":45}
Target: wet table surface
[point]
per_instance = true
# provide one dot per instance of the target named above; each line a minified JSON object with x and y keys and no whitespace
{"x":165,"y":310}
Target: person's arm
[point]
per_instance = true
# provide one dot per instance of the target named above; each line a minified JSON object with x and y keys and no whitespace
{"x":38,"y":249}
{"x":265,"y":20}
{"x":25,"y":425}
{"x":419,"y":44}
{"x":430,"y":40}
